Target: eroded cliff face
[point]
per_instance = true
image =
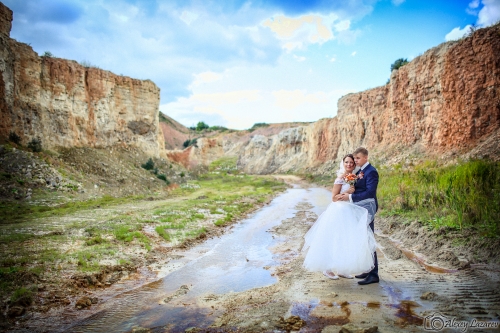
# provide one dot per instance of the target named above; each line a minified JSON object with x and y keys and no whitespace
{"x":68,"y":105}
{"x":445,"y":102}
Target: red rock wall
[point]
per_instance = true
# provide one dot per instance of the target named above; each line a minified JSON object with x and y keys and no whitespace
{"x":68,"y":105}
{"x":447,"y":100}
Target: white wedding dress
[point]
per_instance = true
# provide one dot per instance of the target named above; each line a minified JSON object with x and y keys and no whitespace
{"x":341,"y":239}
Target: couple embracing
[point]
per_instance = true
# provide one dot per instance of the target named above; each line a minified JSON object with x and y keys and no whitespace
{"x":341,"y":241}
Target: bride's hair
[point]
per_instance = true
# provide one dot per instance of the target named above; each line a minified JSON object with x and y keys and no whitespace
{"x":348,"y":155}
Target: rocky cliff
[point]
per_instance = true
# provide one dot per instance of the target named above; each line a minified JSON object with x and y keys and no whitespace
{"x":445,"y":102}
{"x":68,"y":105}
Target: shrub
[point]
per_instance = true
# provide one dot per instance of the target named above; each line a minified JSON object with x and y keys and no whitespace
{"x":35,"y":145}
{"x":149,"y":165}
{"x":201,"y":126}
{"x":182,"y":174}
{"x":191,"y":142}
{"x":163,"y":177}
{"x":218,"y":128}
{"x":47,"y":54}
{"x":257,"y":125}
{"x":398,"y":64}
{"x":13,"y":137}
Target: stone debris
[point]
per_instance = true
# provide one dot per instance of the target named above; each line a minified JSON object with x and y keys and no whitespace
{"x":292,"y":323}
{"x":83,"y":303}
{"x":428,"y":295}
{"x":351,"y":328}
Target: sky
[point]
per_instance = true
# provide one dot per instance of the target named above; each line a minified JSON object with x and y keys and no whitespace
{"x":237,"y":63}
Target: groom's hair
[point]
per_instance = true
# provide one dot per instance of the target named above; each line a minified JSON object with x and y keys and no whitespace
{"x":361,"y":150}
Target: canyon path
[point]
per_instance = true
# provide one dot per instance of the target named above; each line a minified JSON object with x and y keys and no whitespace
{"x":251,"y":279}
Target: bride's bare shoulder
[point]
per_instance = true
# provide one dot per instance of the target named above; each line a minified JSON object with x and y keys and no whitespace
{"x":339,"y":180}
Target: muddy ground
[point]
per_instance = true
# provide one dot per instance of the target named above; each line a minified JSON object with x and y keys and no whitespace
{"x":417,"y":281}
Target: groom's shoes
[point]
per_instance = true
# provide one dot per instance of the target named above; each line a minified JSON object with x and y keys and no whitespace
{"x":361,"y":276}
{"x":371,"y":278}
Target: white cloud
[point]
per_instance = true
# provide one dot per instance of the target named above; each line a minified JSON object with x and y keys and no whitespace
{"x":206,"y":77}
{"x":231,"y":97}
{"x":291,"y":99}
{"x":472,"y":8}
{"x":457,"y":33}
{"x":333,"y":59}
{"x":489,"y":14}
{"x":298,"y":58}
{"x":343,"y":25}
{"x":474,"y":4}
{"x":353,"y":54}
{"x":188,"y":17}
{"x":298,"y":32}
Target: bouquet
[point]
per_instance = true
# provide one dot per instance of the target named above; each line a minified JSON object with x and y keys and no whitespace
{"x":350,"y":179}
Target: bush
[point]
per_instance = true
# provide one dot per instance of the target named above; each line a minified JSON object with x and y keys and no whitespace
{"x":191,"y":142}
{"x":201,"y":126}
{"x":164,"y":178}
{"x":182,"y":174}
{"x":48,"y":54}
{"x":218,"y":128}
{"x":149,"y":165}
{"x":398,"y":64}
{"x":13,"y":137}
{"x":35,"y":145}
{"x":257,"y":125}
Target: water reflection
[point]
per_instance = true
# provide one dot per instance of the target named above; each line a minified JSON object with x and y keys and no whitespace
{"x":231,"y":263}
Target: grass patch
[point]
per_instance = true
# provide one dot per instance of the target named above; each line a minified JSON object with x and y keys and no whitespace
{"x":25,"y":293}
{"x":128,"y":233}
{"x":163,"y":233}
{"x":464,"y":195}
{"x":15,"y":212}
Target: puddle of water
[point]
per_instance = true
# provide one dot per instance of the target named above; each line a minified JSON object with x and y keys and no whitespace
{"x":233,"y":262}
{"x":406,"y":314}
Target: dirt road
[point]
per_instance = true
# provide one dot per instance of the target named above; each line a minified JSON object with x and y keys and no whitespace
{"x":251,"y":280}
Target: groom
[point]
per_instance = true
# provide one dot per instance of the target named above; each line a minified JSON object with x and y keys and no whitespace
{"x":365,"y":188}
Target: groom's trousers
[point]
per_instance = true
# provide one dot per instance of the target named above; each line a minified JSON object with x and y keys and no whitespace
{"x":375,"y":269}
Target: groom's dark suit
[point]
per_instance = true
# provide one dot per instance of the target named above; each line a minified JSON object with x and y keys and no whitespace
{"x":366,"y":188}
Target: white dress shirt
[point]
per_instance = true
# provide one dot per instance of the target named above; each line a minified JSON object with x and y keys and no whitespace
{"x":362,"y":168}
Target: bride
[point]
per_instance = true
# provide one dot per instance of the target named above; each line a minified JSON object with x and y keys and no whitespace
{"x":340,"y":242}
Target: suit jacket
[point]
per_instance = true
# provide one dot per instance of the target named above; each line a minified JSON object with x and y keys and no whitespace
{"x":367,"y":186}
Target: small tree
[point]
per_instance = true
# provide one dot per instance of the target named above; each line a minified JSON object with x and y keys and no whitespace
{"x":13,"y":137}
{"x":398,"y":63}
{"x":188,"y":143}
{"x":149,"y":165}
{"x":47,"y":54}
{"x":35,"y":145}
{"x":201,"y":126}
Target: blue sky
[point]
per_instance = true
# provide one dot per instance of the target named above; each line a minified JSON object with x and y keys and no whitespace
{"x":236,"y":63}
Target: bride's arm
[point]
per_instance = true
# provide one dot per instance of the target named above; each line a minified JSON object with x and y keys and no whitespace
{"x":336,"y":191}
